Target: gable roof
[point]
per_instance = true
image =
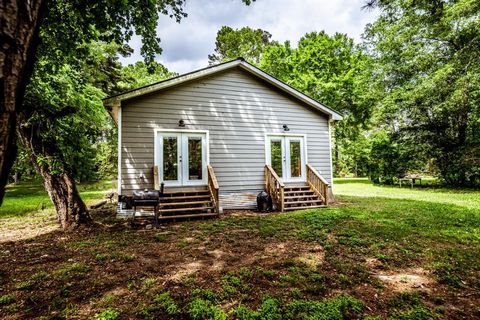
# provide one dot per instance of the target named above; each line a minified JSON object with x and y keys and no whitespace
{"x":116,"y":100}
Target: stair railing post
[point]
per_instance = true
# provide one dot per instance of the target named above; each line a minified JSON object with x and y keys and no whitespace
{"x":282,"y":198}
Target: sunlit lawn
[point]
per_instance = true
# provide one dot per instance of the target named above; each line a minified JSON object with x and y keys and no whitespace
{"x":380,"y":252}
{"x":27,"y":197}
{"x":26,"y":205}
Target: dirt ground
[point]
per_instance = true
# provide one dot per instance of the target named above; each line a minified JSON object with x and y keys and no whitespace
{"x":112,"y":264}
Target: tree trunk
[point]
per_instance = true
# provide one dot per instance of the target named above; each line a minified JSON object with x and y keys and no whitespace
{"x":71,"y":210}
{"x":19,"y":27}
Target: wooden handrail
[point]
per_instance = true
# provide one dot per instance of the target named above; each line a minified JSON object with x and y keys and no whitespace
{"x":156,"y":178}
{"x":213,"y":188}
{"x":275,"y":187}
{"x":319,"y":185}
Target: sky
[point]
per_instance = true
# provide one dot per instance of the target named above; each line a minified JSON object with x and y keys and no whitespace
{"x":186,"y":45}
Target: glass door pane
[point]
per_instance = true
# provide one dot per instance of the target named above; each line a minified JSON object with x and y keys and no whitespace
{"x":295,"y":159}
{"x":195,"y":161}
{"x":170,"y":158}
{"x":276,"y":156}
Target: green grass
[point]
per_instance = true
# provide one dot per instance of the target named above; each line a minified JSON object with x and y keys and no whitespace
{"x":26,"y":198}
{"x":319,"y":270}
{"x":437,"y":214}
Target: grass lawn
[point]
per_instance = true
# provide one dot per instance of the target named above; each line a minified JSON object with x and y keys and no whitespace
{"x":27,"y":210}
{"x":379,"y":253}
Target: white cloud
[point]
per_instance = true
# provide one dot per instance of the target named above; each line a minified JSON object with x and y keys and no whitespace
{"x":187,"y":45}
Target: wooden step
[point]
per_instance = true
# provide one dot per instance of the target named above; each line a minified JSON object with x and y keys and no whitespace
{"x":304,"y":208}
{"x":166,"y":203}
{"x":187,"y":216}
{"x":304,"y":201}
{"x":185,"y":194}
{"x":297,"y":188}
{"x":181,"y":190}
{"x":162,"y":211}
{"x":180,"y":197}
{"x":313,"y":195}
{"x":298,"y":191}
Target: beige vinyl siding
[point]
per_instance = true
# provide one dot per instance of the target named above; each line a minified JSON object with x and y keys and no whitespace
{"x":238,"y":110}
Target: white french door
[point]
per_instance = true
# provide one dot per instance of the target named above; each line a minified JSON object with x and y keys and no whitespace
{"x":181,"y":158}
{"x":286,"y":155}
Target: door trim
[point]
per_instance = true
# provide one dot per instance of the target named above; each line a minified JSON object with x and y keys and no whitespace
{"x":156,"y":149}
{"x":303,"y":136}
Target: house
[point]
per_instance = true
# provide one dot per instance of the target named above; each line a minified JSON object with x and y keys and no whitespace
{"x":218,"y":136}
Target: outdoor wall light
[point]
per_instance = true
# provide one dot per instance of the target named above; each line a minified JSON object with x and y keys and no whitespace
{"x":181,"y":123}
{"x":286,"y":128}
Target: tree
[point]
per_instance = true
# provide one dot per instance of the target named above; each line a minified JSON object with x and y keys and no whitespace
{"x":139,"y":75}
{"x":245,"y":42}
{"x":61,"y":118}
{"x":64,"y":126}
{"x":333,"y":70}
{"x":428,"y":65}
{"x":68,"y":24}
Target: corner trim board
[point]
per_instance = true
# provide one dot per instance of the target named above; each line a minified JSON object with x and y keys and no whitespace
{"x":119,"y":151}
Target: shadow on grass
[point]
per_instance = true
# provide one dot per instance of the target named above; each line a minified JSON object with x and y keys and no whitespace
{"x":403,"y":232}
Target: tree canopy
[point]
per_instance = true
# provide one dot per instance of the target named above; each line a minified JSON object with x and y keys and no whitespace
{"x":333,"y":70}
{"x":60,"y":28}
{"x":428,"y":65}
{"x":245,"y":42}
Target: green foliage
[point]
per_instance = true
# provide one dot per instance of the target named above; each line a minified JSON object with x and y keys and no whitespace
{"x":230,"y":284}
{"x":72,"y":270}
{"x":70,"y":23}
{"x":392,"y":157}
{"x":328,"y":68}
{"x":333,"y":70}
{"x":205,"y":294}
{"x":339,"y":308}
{"x":24,"y":285}
{"x":139,"y":75}
{"x":427,"y":65}
{"x":355,"y":156}
{"x":200,"y":309}
{"x":415,"y":313}
{"x":342,"y":307}
{"x":245,"y":42}
{"x":115,"y":256}
{"x":22,"y":168}
{"x":29,"y":199}
{"x":166,"y":302}
{"x":63,"y":107}
{"x":408,"y":306}
{"x":108,"y":314}
{"x":7,"y":299}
